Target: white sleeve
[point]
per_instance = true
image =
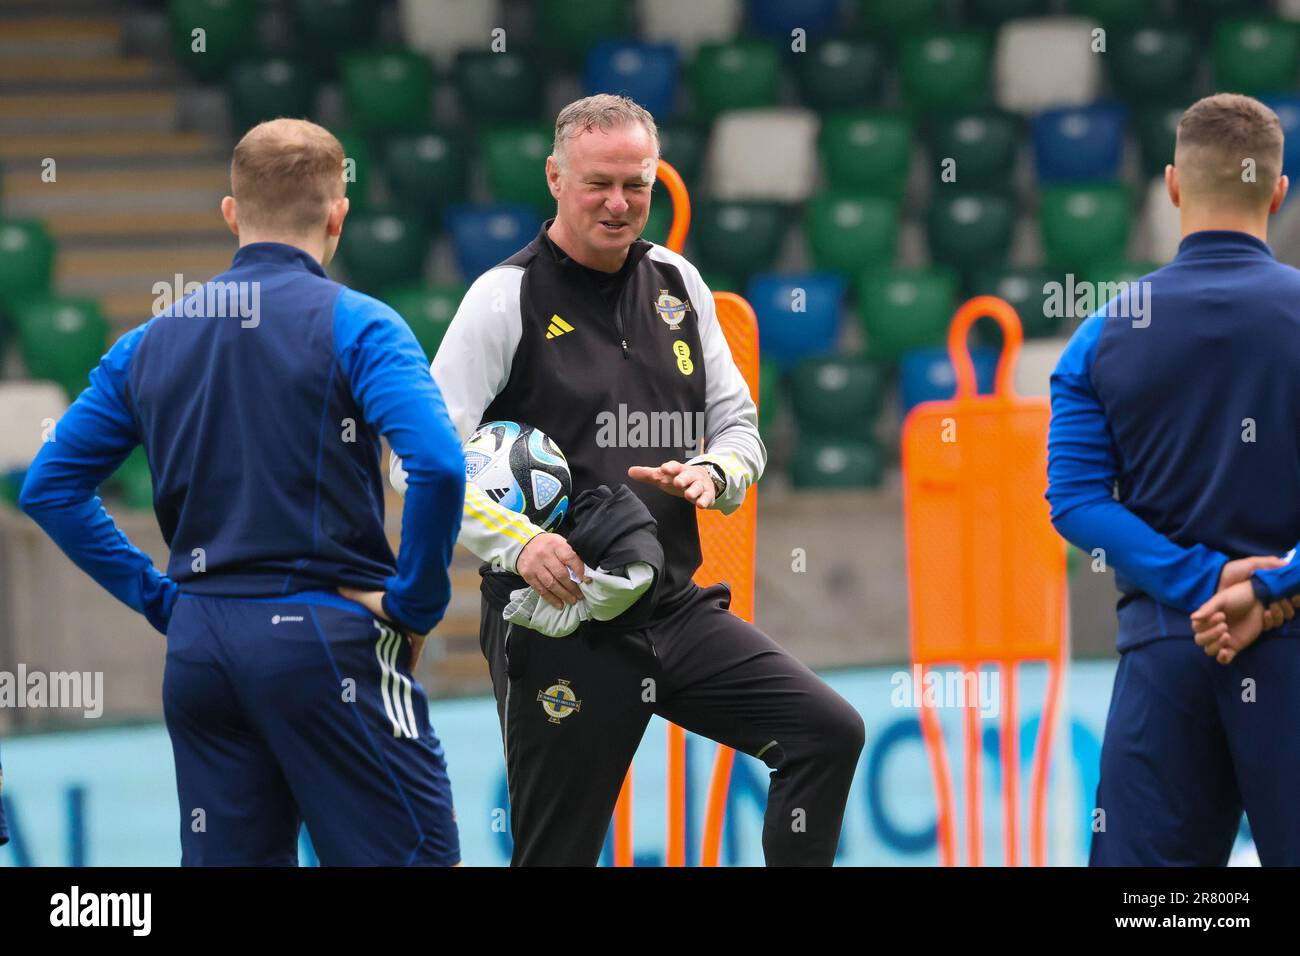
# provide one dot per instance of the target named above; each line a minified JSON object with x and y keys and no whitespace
{"x":731,"y":434}
{"x":471,"y":368}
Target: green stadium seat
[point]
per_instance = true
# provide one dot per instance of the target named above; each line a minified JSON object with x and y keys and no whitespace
{"x":846,"y":233}
{"x":515,"y":158}
{"x":26,"y":261}
{"x":769,"y":395}
{"x":1119,"y":270}
{"x":268,"y":88}
{"x":1256,"y":56}
{"x":1084,"y":224}
{"x":837,"y":396}
{"x":737,"y":239}
{"x":569,"y":28}
{"x":228,"y":31}
{"x":840,"y":74}
{"x":334,"y":25}
{"x":62,"y":339}
{"x":1156,"y":129}
{"x":993,"y":12}
{"x":893,"y":18}
{"x":719,"y":281}
{"x":821,"y":465}
{"x":426,"y":170}
{"x":904,"y":309}
{"x":743,"y":74}
{"x":499,"y":87}
{"x":381,"y":250}
{"x":133,"y":482}
{"x":660,"y":219}
{"x":1116,"y":13}
{"x":428,"y":310}
{"x":982,"y":144}
{"x":1155,"y":63}
{"x":387,"y":91}
{"x":1025,"y":289}
{"x":1211,"y":11}
{"x":357,"y":170}
{"x":683,"y":147}
{"x":867,"y":152}
{"x":942,"y":69}
{"x":968,"y":229}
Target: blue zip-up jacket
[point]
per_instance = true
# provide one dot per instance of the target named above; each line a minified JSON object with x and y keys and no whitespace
{"x":1174,"y":443}
{"x":260,"y":401}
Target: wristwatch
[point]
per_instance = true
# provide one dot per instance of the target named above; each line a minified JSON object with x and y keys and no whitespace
{"x":719,"y":478}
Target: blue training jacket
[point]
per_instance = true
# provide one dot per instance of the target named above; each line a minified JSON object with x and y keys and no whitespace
{"x":262,"y":428}
{"x":1174,"y":443}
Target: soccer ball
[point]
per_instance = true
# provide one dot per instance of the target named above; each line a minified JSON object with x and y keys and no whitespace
{"x":520,"y":468}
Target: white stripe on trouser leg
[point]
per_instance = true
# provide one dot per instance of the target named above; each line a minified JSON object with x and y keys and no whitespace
{"x":402,"y":693}
{"x":381,"y":652}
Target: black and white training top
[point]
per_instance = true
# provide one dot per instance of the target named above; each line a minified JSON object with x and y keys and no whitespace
{"x":619,"y":369}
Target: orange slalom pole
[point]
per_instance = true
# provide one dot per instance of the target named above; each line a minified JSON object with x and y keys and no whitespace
{"x":1010,"y":764}
{"x":716,"y":810}
{"x":623,"y":823}
{"x":934,"y":747}
{"x":675,"y":852}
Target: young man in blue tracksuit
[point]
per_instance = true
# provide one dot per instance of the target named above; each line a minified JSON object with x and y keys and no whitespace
{"x":260,"y":401}
{"x":1173,"y":448}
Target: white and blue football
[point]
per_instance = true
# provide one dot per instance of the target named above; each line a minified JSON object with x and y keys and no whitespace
{"x":521,"y":469}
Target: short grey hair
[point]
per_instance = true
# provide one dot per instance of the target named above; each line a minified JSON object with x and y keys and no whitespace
{"x":602,"y":111}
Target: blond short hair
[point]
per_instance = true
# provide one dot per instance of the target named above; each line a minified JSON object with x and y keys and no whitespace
{"x":284,"y":175}
{"x":1220,"y":138}
{"x":603,"y":111}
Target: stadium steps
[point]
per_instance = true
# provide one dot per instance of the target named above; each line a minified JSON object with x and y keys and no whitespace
{"x":105,"y":148}
{"x":57,"y":36}
{"x":20,"y":72}
{"x":67,"y":112}
{"x":135,"y":267}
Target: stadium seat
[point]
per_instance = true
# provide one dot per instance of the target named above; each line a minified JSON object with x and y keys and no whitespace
{"x":787,"y":141}
{"x":683,"y":145}
{"x":27,"y":405}
{"x":994,"y":12}
{"x":1118,"y":270}
{"x":839,"y":74}
{"x":1116,"y":13}
{"x":1160,"y":227}
{"x":645,"y":72}
{"x":737,"y":238}
{"x":770,"y":398}
{"x":225,"y":30}
{"x":838,"y":396}
{"x":1156,"y":130}
{"x":744,"y":74}
{"x":1288,"y":9}
{"x":1288,"y":114}
{"x":867,"y":152}
{"x":515,"y":158}
{"x":927,"y":375}
{"x":334,"y":25}
{"x":968,"y":229}
{"x":1079,"y":143}
{"x":846,"y":233}
{"x":688,"y":23}
{"x":387,"y":91}
{"x":133,"y":482}
{"x":356,"y":164}
{"x":569,"y":28}
{"x":483,"y":236}
{"x":1257,"y":55}
{"x":660,"y":219}
{"x":441,"y":28}
{"x":1046,"y":62}
{"x":499,"y":87}
{"x":428,"y":310}
{"x":1038,"y":360}
{"x":902,"y":309}
{"x":1025,"y":290}
{"x":982,"y":143}
{"x":778,"y":19}
{"x":891,"y":18}
{"x":384,"y":249}
{"x":267,"y":88}
{"x":798,"y":314}
{"x":940,"y":69}
{"x":1084,"y":224}
{"x":426,"y":171}
{"x":26,"y":261}
{"x":61,"y":338}
{"x":821,"y":465}
{"x":1154,"y":64}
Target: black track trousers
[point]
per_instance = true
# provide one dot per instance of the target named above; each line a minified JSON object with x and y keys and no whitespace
{"x":573,"y":710}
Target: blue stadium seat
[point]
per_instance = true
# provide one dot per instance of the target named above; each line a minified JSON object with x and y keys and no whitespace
{"x":777,"y":18}
{"x":1287,"y":109}
{"x":485,"y":235}
{"x":646,"y":72}
{"x":786,"y":335}
{"x":926,"y":375}
{"x":1079,"y":142}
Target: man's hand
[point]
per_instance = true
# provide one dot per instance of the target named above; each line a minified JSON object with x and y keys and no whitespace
{"x":545,"y":563}
{"x":692,"y":482}
{"x":1234,"y":572}
{"x":1229,"y":622}
{"x":373,"y":601}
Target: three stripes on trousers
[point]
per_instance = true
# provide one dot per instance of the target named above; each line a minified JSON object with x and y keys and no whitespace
{"x":394,"y":686}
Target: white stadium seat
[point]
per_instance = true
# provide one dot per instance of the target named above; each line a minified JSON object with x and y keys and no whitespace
{"x":688,"y":23}
{"x":439,"y":28}
{"x":1046,"y":61}
{"x":764,"y":154}
{"x":29,"y":409}
{"x":1288,"y":9}
{"x":1038,"y":358}
{"x":1159,"y":230}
